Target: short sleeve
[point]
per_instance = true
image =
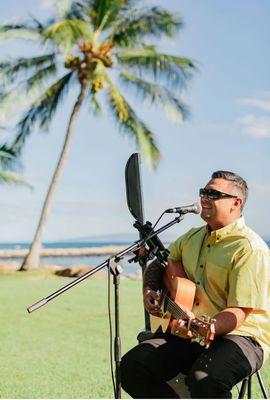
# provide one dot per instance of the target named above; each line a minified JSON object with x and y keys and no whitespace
{"x":175,"y":249}
{"x":249,"y":282}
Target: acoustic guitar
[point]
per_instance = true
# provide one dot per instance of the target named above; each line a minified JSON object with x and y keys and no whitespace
{"x":181,"y":295}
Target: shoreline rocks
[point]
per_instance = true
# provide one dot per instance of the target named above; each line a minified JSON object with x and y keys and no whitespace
{"x":64,"y":252}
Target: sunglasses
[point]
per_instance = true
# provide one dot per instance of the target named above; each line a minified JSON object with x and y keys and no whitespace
{"x":215,"y":194}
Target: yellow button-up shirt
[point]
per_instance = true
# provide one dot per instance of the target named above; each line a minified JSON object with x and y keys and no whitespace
{"x":231,"y":268}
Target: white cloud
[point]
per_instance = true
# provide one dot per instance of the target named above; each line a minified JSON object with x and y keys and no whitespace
{"x":262,"y":103}
{"x":257,"y":126}
{"x":257,"y":103}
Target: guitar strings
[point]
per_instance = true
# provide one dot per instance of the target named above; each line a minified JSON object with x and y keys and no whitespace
{"x":176,"y":310}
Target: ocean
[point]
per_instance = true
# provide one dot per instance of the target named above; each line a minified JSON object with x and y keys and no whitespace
{"x":93,"y":261}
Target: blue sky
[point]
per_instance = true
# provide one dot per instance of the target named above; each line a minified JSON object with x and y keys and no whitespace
{"x":229,"y":128}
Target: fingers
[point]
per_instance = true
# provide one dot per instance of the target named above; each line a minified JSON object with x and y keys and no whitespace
{"x":179,"y":328}
{"x":151,"y":293}
{"x":188,"y":312}
{"x":151,"y":302}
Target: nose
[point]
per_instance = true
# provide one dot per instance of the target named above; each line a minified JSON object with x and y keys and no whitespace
{"x":205,"y":200}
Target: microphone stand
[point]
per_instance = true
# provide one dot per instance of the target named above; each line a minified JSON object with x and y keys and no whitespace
{"x":113,"y":264}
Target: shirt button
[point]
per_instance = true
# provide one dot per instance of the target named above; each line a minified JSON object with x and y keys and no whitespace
{"x":201,"y":266}
{"x":208,"y":245}
{"x":198,"y":283}
{"x":197,"y":304}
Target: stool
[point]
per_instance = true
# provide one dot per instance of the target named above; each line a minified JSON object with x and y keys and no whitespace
{"x":246,"y":385}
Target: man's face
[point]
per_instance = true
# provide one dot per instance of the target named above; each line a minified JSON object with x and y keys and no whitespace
{"x":220,"y":212}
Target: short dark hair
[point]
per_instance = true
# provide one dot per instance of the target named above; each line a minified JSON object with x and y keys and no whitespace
{"x":236,"y":180}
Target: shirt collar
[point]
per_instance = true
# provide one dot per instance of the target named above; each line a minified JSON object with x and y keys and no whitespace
{"x":220,"y":234}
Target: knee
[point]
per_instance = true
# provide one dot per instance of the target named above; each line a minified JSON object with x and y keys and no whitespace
{"x":206,"y":385}
{"x":126,"y":371}
{"x":131,"y":373}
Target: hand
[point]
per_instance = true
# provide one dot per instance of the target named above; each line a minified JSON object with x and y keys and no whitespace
{"x":179,"y":327}
{"x":150,"y":301}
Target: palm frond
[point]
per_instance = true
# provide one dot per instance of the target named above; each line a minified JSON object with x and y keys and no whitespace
{"x":41,"y":111}
{"x":8,"y":177}
{"x":101,"y":9}
{"x":7,"y":156}
{"x":40,"y":77}
{"x":95,"y":106}
{"x":14,"y":31}
{"x":79,"y":10}
{"x":12,"y":70}
{"x":173,"y":70}
{"x":39,"y":26}
{"x":128,"y":4}
{"x":28,"y":87}
{"x":104,"y":12}
{"x":137,"y":24}
{"x":67,"y":32}
{"x":35,"y":73}
{"x":128,"y":122}
{"x":156,"y":94}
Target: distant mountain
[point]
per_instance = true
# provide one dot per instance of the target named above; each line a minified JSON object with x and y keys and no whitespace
{"x":112,"y":238}
{"x":117,"y":237}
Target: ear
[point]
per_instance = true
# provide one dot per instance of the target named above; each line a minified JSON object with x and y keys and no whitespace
{"x":237,"y":203}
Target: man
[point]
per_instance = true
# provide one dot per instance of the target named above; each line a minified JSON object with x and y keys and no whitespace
{"x":230,"y":265}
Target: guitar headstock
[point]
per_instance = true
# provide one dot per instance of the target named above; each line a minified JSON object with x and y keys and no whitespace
{"x":203,"y":330}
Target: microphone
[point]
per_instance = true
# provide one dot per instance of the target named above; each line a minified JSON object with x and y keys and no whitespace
{"x":193,"y":208}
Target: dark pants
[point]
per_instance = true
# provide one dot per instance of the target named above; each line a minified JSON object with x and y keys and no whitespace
{"x":152,"y":370}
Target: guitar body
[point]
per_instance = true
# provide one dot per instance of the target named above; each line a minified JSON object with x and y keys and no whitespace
{"x":182,"y":292}
{"x":176,"y":299}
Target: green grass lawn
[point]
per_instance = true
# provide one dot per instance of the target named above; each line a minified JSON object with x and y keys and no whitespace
{"x":62,"y":349}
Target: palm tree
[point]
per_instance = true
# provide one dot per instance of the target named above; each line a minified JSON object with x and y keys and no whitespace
{"x":92,"y":44}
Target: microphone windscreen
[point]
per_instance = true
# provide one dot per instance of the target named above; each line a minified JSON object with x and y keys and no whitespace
{"x":197,"y":208}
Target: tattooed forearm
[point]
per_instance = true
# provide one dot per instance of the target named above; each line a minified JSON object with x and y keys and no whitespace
{"x":153,"y":275}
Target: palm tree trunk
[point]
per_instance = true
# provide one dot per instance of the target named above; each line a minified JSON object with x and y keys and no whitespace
{"x":31,"y":261}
